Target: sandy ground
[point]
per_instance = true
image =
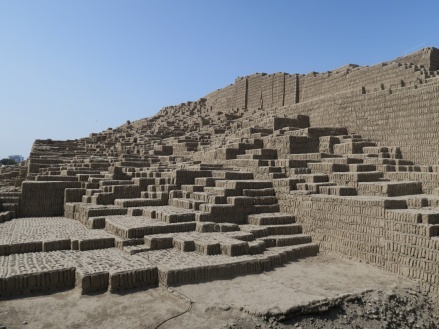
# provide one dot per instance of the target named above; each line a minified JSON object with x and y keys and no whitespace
{"x":254,"y":301}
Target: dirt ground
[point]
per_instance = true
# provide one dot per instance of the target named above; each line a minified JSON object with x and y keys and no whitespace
{"x":318,"y":292}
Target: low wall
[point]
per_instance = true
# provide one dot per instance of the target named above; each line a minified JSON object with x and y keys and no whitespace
{"x":407,"y":118}
{"x":373,"y":230}
{"x":39,"y":199}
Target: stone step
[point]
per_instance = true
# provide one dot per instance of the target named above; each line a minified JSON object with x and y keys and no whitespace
{"x":164,"y":196}
{"x":74,"y":172}
{"x":253,"y":157}
{"x":91,"y":192}
{"x":221,"y":216}
{"x":135,"y":249}
{"x":67,"y":269}
{"x":158,"y":241}
{"x":246,"y":163}
{"x":109,"y":182}
{"x":350,"y":147}
{"x":262,"y":208}
{"x":271,"y":219}
{"x":138,"y":202}
{"x":162,"y":188}
{"x":9,"y":199}
{"x":259,"y":192}
{"x":353,"y":178}
{"x":416,"y":216}
{"x":237,"y":175}
{"x":251,"y":201}
{"x":195,"y":267}
{"x":383,"y":161}
{"x":390,"y":189}
{"x":277,"y":175}
{"x":289,"y":163}
{"x":130,"y":227}
{"x":312,"y":156}
{"x":286,"y":240}
{"x":223,"y":209}
{"x":209,"y":197}
{"x":193,"y":188}
{"x":206,"y":181}
{"x":186,"y":203}
{"x":256,"y":247}
{"x":327,"y":167}
{"x":344,"y":160}
{"x":286,"y":229}
{"x":263,"y":153}
{"x":314,"y":178}
{"x":84,"y":211}
{"x":391,"y":168}
{"x":170,"y":214}
{"x":298,"y":171}
{"x":338,"y":190}
{"x":240,"y":185}
{"x":313,"y":187}
{"x":221,"y":191}
{"x":5,"y":216}
{"x":258,"y":231}
{"x":225,"y":227}
{"x":362,"y":167}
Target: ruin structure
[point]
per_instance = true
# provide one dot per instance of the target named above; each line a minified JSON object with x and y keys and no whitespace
{"x":267,"y":170}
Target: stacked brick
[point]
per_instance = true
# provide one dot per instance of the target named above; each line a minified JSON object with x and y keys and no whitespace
{"x":291,"y":91}
{"x":44,"y":198}
{"x":267,"y":91}
{"x":254,"y":90}
{"x":199,"y":187}
{"x":278,"y":89}
{"x":403,"y":241}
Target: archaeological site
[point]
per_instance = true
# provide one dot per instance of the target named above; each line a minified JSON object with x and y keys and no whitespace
{"x":261,"y":176}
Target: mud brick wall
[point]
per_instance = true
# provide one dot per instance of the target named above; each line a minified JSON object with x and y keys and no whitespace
{"x":241,"y":86}
{"x":291,"y":91}
{"x":222,"y":98}
{"x":286,"y":145}
{"x":428,"y":57}
{"x":278,"y":89}
{"x":254,"y":91}
{"x":378,"y":77}
{"x":368,"y":229}
{"x":429,"y":180}
{"x":267,"y":91}
{"x":407,"y":119}
{"x":39,"y":199}
{"x":35,"y":164}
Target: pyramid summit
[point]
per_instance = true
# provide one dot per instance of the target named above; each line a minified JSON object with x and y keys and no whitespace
{"x":265,"y":171}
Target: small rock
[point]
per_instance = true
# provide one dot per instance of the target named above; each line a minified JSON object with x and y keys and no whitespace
{"x":24,"y":322}
{"x":225,"y":307}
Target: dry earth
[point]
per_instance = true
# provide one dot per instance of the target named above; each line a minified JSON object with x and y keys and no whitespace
{"x":319,"y":292}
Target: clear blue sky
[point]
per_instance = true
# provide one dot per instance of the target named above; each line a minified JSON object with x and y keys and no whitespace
{"x":72,"y":67}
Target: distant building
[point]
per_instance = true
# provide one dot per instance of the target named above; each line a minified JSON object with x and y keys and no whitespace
{"x":16,"y":158}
